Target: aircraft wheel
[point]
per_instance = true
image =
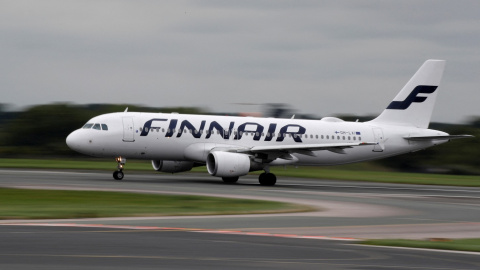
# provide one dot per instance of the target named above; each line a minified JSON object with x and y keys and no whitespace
{"x":267,"y":179}
{"x":118,"y":175}
{"x":230,"y":179}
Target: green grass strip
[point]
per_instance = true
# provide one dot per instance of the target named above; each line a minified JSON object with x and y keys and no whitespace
{"x":472,"y":244}
{"x":61,"y":204}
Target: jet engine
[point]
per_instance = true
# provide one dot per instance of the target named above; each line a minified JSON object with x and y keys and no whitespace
{"x":226,"y":164}
{"x":172,"y":166}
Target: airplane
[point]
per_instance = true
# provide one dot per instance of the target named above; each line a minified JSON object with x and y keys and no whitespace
{"x":231,"y":147}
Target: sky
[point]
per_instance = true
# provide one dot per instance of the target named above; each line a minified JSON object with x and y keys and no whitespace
{"x":321,"y":57}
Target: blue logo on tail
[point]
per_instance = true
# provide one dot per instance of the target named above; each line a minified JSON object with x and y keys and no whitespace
{"x":421,"y":89}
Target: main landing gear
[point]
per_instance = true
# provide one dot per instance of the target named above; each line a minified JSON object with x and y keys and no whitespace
{"x":267,"y":178}
{"x":118,"y":174}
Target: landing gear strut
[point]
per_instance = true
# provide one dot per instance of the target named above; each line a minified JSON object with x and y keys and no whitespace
{"x":118,"y":174}
{"x":267,"y":178}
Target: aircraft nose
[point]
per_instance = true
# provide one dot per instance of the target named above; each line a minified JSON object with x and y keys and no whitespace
{"x":73,"y":140}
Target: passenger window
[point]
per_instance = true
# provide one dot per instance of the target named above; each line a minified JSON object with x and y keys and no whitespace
{"x":96,"y":126}
{"x":328,"y":137}
{"x":104,"y":127}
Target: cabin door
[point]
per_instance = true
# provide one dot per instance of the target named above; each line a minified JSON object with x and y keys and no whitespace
{"x":128,"y":132}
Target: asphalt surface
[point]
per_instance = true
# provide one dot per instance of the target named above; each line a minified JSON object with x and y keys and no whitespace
{"x":281,"y":241}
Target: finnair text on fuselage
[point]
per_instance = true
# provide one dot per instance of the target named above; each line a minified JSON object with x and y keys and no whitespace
{"x":294,"y":131}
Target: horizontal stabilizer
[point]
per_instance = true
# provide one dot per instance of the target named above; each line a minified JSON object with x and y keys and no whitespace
{"x":430,"y":138}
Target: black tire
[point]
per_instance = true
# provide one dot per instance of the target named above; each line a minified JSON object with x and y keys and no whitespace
{"x":230,"y":179}
{"x":118,"y":175}
{"x":267,"y":179}
{"x":261,"y":177}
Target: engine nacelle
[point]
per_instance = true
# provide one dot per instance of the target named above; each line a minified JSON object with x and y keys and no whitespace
{"x":172,"y":166}
{"x":226,"y":164}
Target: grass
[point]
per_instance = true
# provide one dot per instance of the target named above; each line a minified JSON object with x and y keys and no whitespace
{"x":354,"y":172}
{"x":61,"y":204}
{"x":445,"y":244}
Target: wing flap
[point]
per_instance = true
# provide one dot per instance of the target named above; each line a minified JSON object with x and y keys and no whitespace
{"x":442,"y":137}
{"x":307,"y":147}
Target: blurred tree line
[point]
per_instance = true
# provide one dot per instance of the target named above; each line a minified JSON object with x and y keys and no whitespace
{"x":40,"y":131}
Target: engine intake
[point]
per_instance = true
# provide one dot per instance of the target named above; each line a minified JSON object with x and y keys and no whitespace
{"x":226,"y":164}
{"x":172,"y":166}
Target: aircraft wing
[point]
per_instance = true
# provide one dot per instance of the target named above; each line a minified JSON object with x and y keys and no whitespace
{"x":305,"y":149}
{"x":429,"y":138}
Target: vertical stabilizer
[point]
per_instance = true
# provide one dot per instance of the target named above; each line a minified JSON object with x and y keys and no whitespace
{"x":413,"y":106}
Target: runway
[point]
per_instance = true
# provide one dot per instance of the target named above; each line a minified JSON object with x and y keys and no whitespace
{"x":346,"y":210}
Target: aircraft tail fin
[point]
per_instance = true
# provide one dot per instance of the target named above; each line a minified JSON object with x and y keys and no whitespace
{"x":413,"y":106}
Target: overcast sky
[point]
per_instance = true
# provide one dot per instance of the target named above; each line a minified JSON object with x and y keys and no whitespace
{"x":321,"y":57}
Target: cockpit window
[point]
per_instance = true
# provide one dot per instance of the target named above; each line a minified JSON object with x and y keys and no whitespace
{"x":96,"y":126}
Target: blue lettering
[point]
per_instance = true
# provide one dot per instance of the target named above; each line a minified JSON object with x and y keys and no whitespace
{"x":218,"y":127}
{"x":257,"y":132}
{"x":148,"y":125}
{"x":195,"y":133}
{"x":283,"y":133}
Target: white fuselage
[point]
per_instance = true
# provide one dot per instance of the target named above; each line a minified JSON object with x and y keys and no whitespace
{"x":179,"y":137}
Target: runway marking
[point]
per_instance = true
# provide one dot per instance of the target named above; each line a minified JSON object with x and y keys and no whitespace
{"x":233,"y":232}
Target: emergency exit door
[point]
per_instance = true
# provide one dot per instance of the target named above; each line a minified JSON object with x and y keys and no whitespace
{"x":379,"y":139}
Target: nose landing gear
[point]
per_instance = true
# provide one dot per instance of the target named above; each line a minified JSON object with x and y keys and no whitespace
{"x":118,"y":174}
